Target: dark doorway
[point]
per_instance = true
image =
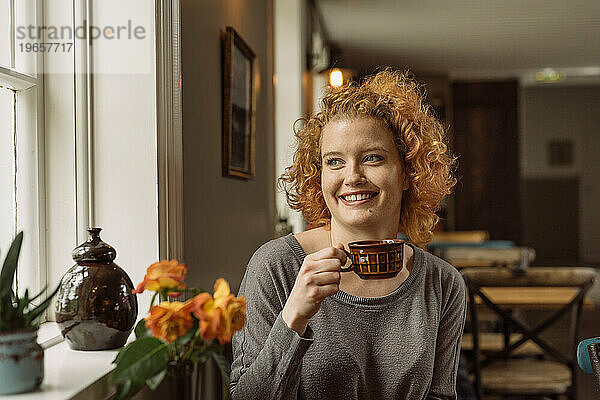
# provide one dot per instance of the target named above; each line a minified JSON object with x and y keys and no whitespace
{"x":486,"y":139}
{"x":551,"y":219}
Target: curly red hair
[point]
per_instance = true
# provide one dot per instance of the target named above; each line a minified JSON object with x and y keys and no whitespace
{"x":396,"y":100}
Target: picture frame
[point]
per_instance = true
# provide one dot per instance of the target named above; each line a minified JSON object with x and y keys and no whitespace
{"x":239,"y":106}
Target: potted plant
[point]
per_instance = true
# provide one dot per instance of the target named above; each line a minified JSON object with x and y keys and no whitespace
{"x":177,"y":337}
{"x":21,"y":357}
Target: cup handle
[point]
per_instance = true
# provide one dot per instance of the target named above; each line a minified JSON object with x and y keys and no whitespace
{"x":351,"y":267}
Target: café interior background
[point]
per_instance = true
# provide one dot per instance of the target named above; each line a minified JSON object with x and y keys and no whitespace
{"x":527,"y":147}
{"x":515,"y":82}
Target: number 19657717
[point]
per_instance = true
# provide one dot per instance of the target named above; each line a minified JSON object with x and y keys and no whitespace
{"x":45,"y":47}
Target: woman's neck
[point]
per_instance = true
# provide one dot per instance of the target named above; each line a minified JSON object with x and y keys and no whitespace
{"x":344,"y":235}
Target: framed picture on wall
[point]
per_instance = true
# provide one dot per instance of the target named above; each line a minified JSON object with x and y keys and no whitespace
{"x":239,"y":106}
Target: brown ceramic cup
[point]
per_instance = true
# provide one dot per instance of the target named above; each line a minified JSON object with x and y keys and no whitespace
{"x":375,"y":259}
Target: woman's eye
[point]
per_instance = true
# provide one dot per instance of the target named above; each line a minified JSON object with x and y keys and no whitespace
{"x":372,"y":158}
{"x":333,"y":162}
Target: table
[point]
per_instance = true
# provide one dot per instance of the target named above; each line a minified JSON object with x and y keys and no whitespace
{"x":533,"y":298}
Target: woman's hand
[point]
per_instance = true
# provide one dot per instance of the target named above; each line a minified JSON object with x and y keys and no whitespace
{"x":319,"y":277}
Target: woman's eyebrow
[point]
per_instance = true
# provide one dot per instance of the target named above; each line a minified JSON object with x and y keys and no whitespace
{"x":367,"y":150}
{"x":376,"y":148}
{"x":332,"y":153}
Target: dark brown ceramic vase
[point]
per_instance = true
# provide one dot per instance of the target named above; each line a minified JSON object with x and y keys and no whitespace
{"x":95,"y":308}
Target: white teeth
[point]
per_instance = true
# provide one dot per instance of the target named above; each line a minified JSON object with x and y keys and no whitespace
{"x":358,"y":197}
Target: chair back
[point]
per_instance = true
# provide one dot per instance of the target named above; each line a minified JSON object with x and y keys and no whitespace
{"x":461,"y":236}
{"x":480,"y":283}
{"x":510,"y":257}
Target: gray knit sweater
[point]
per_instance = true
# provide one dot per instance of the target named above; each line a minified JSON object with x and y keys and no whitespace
{"x":404,"y":345}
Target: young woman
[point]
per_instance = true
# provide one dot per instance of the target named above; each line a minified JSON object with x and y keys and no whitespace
{"x":371,"y":164}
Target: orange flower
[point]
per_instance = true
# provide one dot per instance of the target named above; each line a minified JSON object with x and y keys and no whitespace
{"x":163,"y":275}
{"x":169,"y":320}
{"x":219,"y":317}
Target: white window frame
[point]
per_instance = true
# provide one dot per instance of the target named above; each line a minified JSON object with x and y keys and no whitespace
{"x":30,"y":125}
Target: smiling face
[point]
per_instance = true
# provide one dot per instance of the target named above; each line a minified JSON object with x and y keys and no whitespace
{"x":362,"y":177}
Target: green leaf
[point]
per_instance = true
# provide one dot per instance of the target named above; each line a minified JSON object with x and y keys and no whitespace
{"x":40,"y":293}
{"x":224,"y":367}
{"x":23,"y":302}
{"x":119,"y":355}
{"x":129,"y":388}
{"x":141,"y":360}
{"x":10,"y":266}
{"x":123,"y":390}
{"x":33,"y":314}
{"x":156,"y":379}
{"x":141,"y":331}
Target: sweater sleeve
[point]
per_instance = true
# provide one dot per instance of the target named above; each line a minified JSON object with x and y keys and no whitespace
{"x":267,"y":354}
{"x":448,"y":342}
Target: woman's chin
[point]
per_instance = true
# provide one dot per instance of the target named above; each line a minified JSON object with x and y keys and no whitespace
{"x":363,"y":222}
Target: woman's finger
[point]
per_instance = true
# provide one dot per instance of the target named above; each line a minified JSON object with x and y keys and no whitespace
{"x":325,"y":278}
{"x":327,"y":253}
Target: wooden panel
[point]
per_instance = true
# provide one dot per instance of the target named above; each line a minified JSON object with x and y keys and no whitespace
{"x":486,"y":139}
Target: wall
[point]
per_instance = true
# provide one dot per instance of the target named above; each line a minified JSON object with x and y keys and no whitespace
{"x":225,"y":219}
{"x":570,"y":112}
{"x":290,"y":63}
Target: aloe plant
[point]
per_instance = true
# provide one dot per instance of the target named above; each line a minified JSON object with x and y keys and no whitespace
{"x":18,"y":313}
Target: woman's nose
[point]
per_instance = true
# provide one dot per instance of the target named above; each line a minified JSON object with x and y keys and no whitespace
{"x":355,"y":176}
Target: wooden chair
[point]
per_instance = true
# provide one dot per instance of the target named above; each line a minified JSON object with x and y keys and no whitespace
{"x":494,"y":342}
{"x":503,"y":372}
{"x":463,"y":257}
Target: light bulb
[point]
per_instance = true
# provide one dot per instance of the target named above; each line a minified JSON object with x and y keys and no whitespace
{"x":336,"y":78}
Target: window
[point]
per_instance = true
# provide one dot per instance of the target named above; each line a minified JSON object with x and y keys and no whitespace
{"x":21,"y":144}
{"x":57,"y":177}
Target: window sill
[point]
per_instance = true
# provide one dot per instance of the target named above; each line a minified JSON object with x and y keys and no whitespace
{"x":49,"y":335}
{"x":70,"y":374}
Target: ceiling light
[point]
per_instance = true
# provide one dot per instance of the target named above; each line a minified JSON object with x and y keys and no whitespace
{"x":336,"y":79}
{"x":549,"y":75}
